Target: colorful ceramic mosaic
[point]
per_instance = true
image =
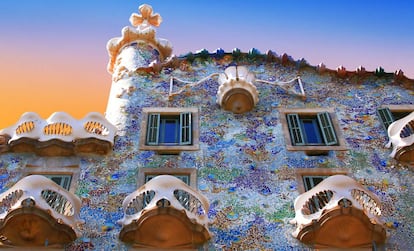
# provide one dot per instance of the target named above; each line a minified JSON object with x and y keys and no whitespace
{"x":243,"y":166}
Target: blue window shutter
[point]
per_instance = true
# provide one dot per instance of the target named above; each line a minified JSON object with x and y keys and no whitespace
{"x":328,"y":132}
{"x":385,"y":116}
{"x":295,"y":129}
{"x":185,"y":128}
{"x":153,"y":127}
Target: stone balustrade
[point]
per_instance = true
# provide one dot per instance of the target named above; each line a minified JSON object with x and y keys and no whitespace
{"x":336,"y":200}
{"x":401,"y":135}
{"x":165,"y":188}
{"x":60,"y":134}
{"x":36,"y":212}
{"x":61,"y":126}
{"x":167,"y":212}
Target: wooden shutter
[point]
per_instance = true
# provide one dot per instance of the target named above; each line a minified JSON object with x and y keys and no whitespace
{"x":185,"y":128}
{"x":153,"y":127}
{"x":328,"y":132}
{"x":385,"y":116}
{"x":295,"y":129}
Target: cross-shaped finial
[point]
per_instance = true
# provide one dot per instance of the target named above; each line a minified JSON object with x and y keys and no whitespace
{"x":146,"y":18}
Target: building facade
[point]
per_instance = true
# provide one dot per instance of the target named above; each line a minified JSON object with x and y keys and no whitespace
{"x":218,"y":151}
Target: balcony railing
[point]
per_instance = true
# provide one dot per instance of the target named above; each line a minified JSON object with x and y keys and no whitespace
{"x":337,"y":200}
{"x":49,"y":214}
{"x":401,"y":136}
{"x":60,"y":126}
{"x":165,"y":195}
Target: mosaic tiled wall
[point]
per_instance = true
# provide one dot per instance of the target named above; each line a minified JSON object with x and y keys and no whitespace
{"x":243,"y":166}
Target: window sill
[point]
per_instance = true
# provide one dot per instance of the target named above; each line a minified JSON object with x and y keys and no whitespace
{"x":316,"y":150}
{"x":170,"y":149}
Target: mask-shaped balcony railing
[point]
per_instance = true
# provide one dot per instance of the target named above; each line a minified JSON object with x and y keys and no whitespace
{"x":38,"y":212}
{"x":339,"y":213}
{"x":401,"y":137}
{"x":165,"y":213}
{"x":32,"y":133}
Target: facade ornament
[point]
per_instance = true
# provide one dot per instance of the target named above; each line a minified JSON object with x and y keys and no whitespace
{"x":179,"y":212}
{"x":341,"y":71}
{"x":338,"y":213}
{"x":237,"y":92}
{"x":60,"y":134}
{"x":146,"y":17}
{"x":38,"y":212}
{"x":126,"y":52}
{"x":401,"y":138}
{"x":360,"y":70}
{"x":321,"y":68}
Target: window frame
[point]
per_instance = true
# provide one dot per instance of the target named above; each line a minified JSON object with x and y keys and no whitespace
{"x":184,"y":141}
{"x":55,"y":166}
{"x":316,"y":172}
{"x":309,"y":148}
{"x":392,"y":109}
{"x":59,"y":175}
{"x":144,"y":172}
{"x":191,"y":172}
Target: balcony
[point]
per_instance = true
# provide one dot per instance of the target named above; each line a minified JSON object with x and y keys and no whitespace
{"x":165,"y":213}
{"x":37,"y":212}
{"x":236,"y":92}
{"x":338,"y":213}
{"x":401,"y":138}
{"x":59,"y":135}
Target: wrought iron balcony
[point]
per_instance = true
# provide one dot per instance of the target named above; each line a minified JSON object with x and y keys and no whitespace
{"x":401,"y":138}
{"x":165,"y":213}
{"x":38,"y":212}
{"x":60,"y":134}
{"x":338,"y":213}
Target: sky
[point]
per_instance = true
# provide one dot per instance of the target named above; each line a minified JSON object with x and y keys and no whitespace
{"x":53,"y":53}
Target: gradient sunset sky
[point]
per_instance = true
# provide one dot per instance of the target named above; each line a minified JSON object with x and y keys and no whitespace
{"x":53,"y":52}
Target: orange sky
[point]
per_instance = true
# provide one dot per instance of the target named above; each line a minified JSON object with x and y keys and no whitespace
{"x":35,"y":78}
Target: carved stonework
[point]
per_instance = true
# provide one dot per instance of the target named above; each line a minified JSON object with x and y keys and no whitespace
{"x":338,"y":213}
{"x":165,"y":213}
{"x":37,"y":212}
{"x":138,"y":48}
{"x":59,"y":135}
{"x":401,"y":138}
{"x":236,"y":92}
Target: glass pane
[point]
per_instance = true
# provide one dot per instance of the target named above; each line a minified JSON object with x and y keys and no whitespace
{"x":62,"y":180}
{"x":185,"y":178}
{"x":169,"y":131}
{"x":312,"y":181}
{"x":311,"y":128}
{"x":399,"y":115}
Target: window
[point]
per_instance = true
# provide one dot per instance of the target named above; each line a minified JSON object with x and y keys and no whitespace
{"x":169,"y":130}
{"x":64,"y":171}
{"x":308,"y":178}
{"x":311,"y":181}
{"x":183,"y":177}
{"x":187,"y":175}
{"x":62,"y":180}
{"x":314,"y":131}
{"x":391,"y":113}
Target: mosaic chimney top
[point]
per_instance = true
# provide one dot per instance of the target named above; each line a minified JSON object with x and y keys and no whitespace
{"x":138,"y":47}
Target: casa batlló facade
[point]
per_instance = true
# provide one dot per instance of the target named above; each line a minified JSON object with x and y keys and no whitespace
{"x":215,"y":151}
